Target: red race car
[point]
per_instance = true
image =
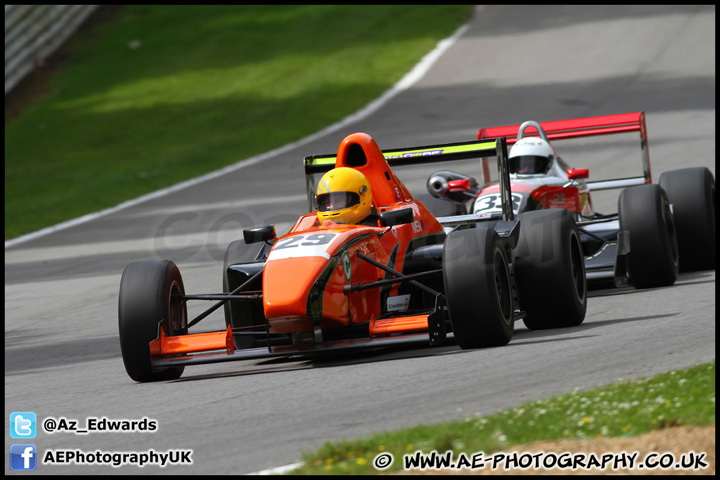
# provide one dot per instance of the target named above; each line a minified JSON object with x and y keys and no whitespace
{"x":368,"y":266}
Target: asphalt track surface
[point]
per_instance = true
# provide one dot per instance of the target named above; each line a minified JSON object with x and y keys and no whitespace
{"x":62,"y":357}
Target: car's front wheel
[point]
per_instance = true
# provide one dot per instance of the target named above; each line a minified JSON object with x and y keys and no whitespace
{"x":478,"y":288}
{"x":146,"y":305}
{"x":550,"y":270}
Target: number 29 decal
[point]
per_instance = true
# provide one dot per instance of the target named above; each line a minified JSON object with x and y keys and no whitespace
{"x":306,"y":245}
{"x":312,"y":240}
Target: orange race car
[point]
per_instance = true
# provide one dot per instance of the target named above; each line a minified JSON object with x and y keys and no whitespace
{"x":368,"y":266}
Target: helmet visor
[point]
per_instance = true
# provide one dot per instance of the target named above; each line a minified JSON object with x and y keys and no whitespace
{"x":328,"y":202}
{"x":529,"y":164}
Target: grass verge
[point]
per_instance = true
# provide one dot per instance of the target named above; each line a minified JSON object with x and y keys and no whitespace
{"x":158,"y":94}
{"x":623,"y":409}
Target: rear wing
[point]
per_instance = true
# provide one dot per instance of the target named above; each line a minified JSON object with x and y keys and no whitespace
{"x":585,"y":127}
{"x":488,"y":147}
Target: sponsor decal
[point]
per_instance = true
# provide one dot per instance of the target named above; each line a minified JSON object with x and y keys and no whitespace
{"x":347,"y":268}
{"x":399,"y":303}
{"x":414,"y":154}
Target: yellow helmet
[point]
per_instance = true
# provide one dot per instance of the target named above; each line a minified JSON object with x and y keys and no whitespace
{"x":344,"y":196}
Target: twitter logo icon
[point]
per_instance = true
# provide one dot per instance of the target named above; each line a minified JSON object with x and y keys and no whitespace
{"x":23,"y":425}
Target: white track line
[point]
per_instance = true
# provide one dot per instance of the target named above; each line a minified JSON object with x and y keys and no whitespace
{"x":403,"y":84}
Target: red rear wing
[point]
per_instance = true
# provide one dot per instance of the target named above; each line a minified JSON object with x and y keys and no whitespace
{"x":584,"y":127}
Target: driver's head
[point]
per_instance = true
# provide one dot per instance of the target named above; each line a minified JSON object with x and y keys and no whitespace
{"x":344,"y":196}
{"x":530,"y":156}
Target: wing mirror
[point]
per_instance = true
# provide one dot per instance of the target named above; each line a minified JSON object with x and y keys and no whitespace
{"x":576,"y":173}
{"x":259,"y":234}
{"x":396,"y":217}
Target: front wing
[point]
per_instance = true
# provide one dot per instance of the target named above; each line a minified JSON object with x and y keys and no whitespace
{"x":332,"y":347}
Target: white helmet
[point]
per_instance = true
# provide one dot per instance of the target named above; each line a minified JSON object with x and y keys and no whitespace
{"x":531,"y":155}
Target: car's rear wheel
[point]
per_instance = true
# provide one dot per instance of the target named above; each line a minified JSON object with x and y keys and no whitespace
{"x":691,"y":192}
{"x":550,"y":270}
{"x":478,"y":288}
{"x":644,"y":213}
{"x":146,"y":305}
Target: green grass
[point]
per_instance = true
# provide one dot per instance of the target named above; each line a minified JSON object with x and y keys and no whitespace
{"x":623,"y":409}
{"x":160,"y":94}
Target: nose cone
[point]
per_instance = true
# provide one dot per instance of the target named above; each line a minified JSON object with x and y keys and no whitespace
{"x":292,"y":268}
{"x":286,"y":286}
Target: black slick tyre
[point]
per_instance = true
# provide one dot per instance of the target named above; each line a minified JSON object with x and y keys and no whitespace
{"x":550,"y":270}
{"x":691,"y":192}
{"x":478,"y":288}
{"x":145,"y":306}
{"x":644,"y":213}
